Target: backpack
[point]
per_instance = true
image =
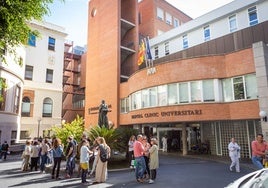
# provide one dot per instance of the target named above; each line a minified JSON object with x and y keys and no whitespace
{"x":104,"y":154}
{"x":75,"y":148}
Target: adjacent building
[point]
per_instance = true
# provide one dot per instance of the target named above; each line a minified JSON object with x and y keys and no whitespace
{"x":42,"y":94}
{"x":209,"y":81}
{"x":11,"y":87}
{"x":73,"y":90}
{"x":156,"y":17}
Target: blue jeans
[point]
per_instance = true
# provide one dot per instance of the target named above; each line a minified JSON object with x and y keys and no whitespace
{"x":43,"y":162}
{"x":257,"y":161}
{"x":70,"y":165}
{"x":84,"y":175}
{"x":140,"y":167}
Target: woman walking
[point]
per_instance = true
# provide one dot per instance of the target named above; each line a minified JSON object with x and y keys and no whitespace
{"x":101,"y":168}
{"x":57,"y":151}
{"x":154,"y":161}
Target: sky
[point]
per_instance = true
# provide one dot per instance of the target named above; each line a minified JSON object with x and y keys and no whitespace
{"x":72,"y":14}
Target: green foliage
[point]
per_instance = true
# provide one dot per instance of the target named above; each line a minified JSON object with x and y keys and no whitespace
{"x":14,"y":15}
{"x":110,"y":135}
{"x":75,"y":128}
{"x":3,"y":86}
{"x":125,"y":133}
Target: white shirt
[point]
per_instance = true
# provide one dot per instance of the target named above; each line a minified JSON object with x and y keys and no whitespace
{"x":233,"y":148}
{"x":84,"y":154}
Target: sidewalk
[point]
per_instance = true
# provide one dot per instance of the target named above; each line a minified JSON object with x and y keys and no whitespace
{"x":244,"y":162}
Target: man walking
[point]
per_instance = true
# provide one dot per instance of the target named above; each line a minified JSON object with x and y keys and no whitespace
{"x":258,"y":151}
{"x":138,"y":154}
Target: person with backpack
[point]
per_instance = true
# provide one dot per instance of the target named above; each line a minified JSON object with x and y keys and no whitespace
{"x":104,"y":154}
{"x":5,"y":148}
{"x":70,"y":154}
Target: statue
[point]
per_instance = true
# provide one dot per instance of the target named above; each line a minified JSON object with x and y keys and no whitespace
{"x":103,"y":119}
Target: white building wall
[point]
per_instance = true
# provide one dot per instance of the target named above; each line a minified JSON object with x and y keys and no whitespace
{"x":13,"y":73}
{"x":218,"y":20}
{"x":42,"y":59}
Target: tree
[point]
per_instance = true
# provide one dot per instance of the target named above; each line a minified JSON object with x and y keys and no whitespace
{"x":109,"y":134}
{"x":124,"y":134}
{"x":14,"y":18}
{"x":14,"y":24}
{"x":75,"y":128}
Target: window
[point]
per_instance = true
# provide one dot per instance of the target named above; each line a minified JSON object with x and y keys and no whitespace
{"x":227,"y":90}
{"x":208,"y":90}
{"x":136,"y":100}
{"x":24,"y":135}
{"x":122,"y":105}
{"x":49,"y":76}
{"x":239,"y":92}
{"x":206,"y":33}
{"x":17,"y":100}
{"x":172,"y":94}
{"x":232,"y":23}
{"x":160,"y":13}
{"x":47,"y":107}
{"x":153,"y":96}
{"x":2,"y":93}
{"x":156,"y":55}
{"x":168,"y":19}
{"x":167,"y":48}
{"x":196,"y":91}
{"x":13,"y":136}
{"x":251,"y":86}
{"x":32,"y":40}
{"x":25,"y":107}
{"x":162,"y":95}
{"x":176,"y":22}
{"x":183,"y":93}
{"x":185,"y":42}
{"x":51,"y":43}
{"x":145,"y":98}
{"x":28,"y":72}
{"x":252,"y":15}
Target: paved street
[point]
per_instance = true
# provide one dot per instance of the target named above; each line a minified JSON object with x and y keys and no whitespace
{"x":174,"y":171}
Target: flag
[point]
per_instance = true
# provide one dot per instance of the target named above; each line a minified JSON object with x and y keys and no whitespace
{"x":148,"y":49}
{"x":149,"y":59}
{"x":141,"y":54}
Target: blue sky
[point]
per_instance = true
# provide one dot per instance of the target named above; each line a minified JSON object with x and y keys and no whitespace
{"x":72,"y":15}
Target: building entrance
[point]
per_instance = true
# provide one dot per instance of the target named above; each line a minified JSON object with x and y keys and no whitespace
{"x":173,"y":136}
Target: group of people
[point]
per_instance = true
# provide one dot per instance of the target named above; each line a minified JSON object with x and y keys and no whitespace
{"x":145,"y":154}
{"x":259,"y":156}
{"x":45,"y":151}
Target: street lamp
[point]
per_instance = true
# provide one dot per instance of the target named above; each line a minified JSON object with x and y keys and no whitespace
{"x":263,"y":116}
{"x":38,"y":120}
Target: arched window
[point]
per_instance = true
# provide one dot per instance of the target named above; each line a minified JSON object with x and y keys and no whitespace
{"x":25,"y":107}
{"x":47,"y":107}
